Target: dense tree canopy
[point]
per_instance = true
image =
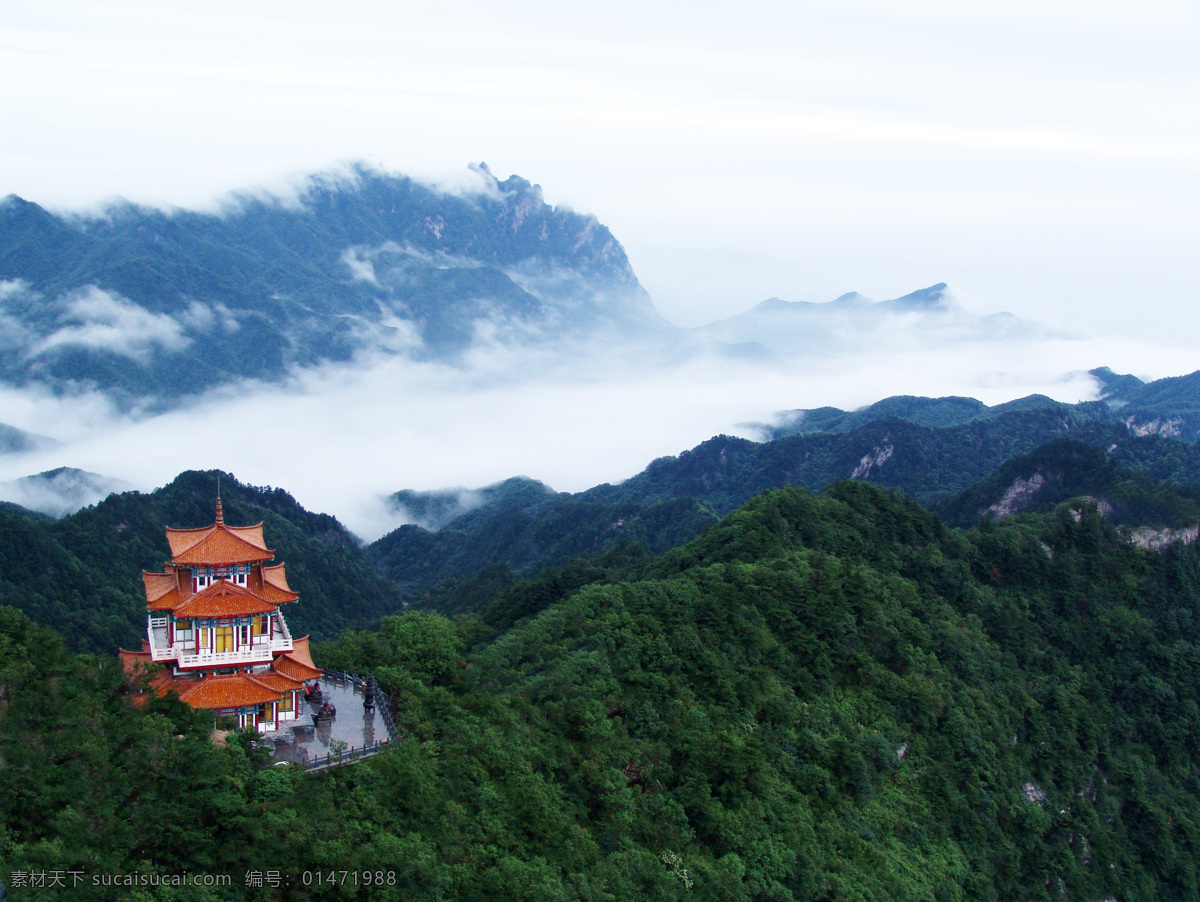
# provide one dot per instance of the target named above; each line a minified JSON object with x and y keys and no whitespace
{"x":822,"y":697}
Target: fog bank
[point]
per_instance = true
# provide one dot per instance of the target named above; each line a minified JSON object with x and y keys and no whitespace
{"x":340,"y":438}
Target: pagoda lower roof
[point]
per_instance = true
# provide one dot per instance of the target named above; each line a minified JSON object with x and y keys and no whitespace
{"x":278,"y":681}
{"x":297,"y":669}
{"x":138,"y":666}
{"x":220,"y":691}
{"x":137,"y":663}
{"x":300,"y":652}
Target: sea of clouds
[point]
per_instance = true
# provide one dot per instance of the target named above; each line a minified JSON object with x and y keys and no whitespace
{"x":343,"y":437}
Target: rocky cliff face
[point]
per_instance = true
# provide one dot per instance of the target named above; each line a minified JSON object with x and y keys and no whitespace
{"x":1151,"y":539}
{"x":1017,"y":496}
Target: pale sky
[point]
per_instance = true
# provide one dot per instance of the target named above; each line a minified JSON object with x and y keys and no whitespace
{"x":1041,"y":157}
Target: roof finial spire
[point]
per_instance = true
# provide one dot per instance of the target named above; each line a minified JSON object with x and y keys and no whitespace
{"x":220,"y":515}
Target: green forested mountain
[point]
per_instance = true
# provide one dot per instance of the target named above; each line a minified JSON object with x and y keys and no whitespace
{"x":522,"y":531}
{"x":1067,"y":468}
{"x":822,"y":697}
{"x":82,"y":574}
{"x":927,"y":448}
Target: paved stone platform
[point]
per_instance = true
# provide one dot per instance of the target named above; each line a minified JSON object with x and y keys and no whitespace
{"x":352,"y":724}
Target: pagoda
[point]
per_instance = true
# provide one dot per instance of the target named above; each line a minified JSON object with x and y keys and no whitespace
{"x":215,"y":633}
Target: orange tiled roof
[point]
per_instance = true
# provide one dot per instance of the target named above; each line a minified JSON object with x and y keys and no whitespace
{"x":218,"y":544}
{"x":275,"y":576}
{"x":162,"y":590}
{"x":224,"y":599}
{"x":278,"y":681}
{"x":213,"y":692}
{"x":158,"y":585}
{"x":301,"y":653}
{"x":166,"y":603}
{"x":238,"y":690}
{"x":277,"y":596}
{"x":297,"y":670}
{"x":136,"y":663}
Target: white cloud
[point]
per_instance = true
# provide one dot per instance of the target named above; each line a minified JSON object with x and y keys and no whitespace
{"x":12,"y":288}
{"x":13,"y":334}
{"x":201,"y":317}
{"x":360,"y":266}
{"x":794,"y":149}
{"x":571,"y":419}
{"x":99,"y":320}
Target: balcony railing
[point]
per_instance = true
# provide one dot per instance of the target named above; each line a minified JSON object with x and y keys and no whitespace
{"x":244,"y":655}
{"x":260,"y":651}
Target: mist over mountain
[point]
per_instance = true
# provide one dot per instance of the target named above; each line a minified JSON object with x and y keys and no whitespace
{"x":61,"y":491}
{"x":930,"y":315}
{"x":141,"y":302}
{"x":151,"y":306}
{"x":370,"y":331}
{"x":14,"y":440}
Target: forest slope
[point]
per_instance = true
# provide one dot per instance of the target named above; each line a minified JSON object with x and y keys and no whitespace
{"x":823,"y":697}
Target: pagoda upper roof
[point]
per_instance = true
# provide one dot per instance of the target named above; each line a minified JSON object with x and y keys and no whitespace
{"x":224,"y":599}
{"x":218,"y":544}
{"x":275,"y":586}
{"x":162,"y":590}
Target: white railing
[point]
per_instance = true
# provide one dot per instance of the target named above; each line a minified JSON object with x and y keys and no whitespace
{"x":260,"y":651}
{"x":219,"y":658}
{"x":188,"y":656}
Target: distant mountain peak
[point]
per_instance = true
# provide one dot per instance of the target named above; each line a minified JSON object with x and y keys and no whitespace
{"x":782,"y":328}
{"x":925,"y":298}
{"x":851,"y":298}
